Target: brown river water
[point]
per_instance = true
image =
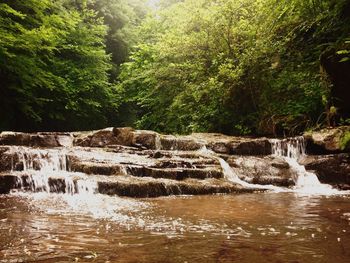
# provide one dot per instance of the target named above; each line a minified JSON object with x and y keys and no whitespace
{"x":261,"y":227}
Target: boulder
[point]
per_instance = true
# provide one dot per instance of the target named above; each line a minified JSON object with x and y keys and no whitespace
{"x":15,"y":138}
{"x":105,"y":137}
{"x":331,"y":169}
{"x":43,"y":140}
{"x":180,"y":143}
{"x":148,"y":187}
{"x":146,"y":139}
{"x":326,"y":141}
{"x":36,"y":139}
{"x":7,"y":183}
{"x":261,"y":146}
{"x":263,"y":170}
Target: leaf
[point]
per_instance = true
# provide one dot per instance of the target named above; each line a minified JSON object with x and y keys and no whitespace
{"x":344,"y":59}
{"x":343,"y":52}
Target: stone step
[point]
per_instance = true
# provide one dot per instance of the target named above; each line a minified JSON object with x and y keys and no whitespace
{"x":131,"y":139}
{"x":266,"y":170}
{"x":168,"y":165}
{"x":175,"y":173}
{"x":130,"y":186}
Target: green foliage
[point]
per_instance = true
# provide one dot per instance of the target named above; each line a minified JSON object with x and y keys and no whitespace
{"x":345,"y":142}
{"x":54,"y":66}
{"x":232,"y":66}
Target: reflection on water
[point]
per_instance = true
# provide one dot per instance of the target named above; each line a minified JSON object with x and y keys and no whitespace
{"x":271,"y":227}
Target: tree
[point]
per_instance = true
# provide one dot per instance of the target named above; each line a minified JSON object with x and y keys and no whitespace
{"x":53,"y":66}
{"x":232,"y":66}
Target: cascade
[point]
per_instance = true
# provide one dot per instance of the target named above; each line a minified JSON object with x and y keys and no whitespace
{"x":291,"y":150}
{"x":87,"y":187}
{"x":232,"y":176}
{"x":158,"y":143}
{"x":40,"y":165}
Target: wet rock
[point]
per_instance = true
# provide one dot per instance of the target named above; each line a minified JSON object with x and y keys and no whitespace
{"x":220,"y":147}
{"x":223,"y":144}
{"x":156,"y":155}
{"x":124,"y":136}
{"x":174,"y":173}
{"x":65,"y":140}
{"x":155,"y":188}
{"x":97,"y":168}
{"x":36,"y":139}
{"x":180,"y":143}
{"x":263,"y":170}
{"x":6,"y":159}
{"x":7,"y":183}
{"x":326,"y":141}
{"x":105,"y":137}
{"x":42,"y":140}
{"x":251,"y":147}
{"x":331,"y":169}
{"x":57,"y":185}
{"x":15,"y":138}
{"x":146,"y":139}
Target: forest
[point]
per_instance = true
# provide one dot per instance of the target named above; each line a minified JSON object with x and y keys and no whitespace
{"x":241,"y":67}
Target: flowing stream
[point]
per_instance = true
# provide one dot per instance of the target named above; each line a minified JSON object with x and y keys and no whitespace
{"x":41,"y":165}
{"x":292,"y":150}
{"x":80,"y":225}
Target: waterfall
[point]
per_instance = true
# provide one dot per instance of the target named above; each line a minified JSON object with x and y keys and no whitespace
{"x":292,"y":150}
{"x":87,"y":187}
{"x":232,"y":176}
{"x":157,"y":142}
{"x":39,"y":166}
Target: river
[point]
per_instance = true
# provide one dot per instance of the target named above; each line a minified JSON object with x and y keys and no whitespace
{"x":262,"y":227}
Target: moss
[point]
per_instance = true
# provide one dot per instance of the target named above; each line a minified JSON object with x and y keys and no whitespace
{"x":345,"y":141}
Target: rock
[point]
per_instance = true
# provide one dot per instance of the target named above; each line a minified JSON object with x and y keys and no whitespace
{"x":161,"y":187}
{"x":175,"y":173}
{"x":331,"y":169}
{"x":7,"y":183}
{"x":65,"y":140}
{"x":140,"y":163}
{"x":15,"y":138}
{"x":105,"y":137}
{"x":263,"y":170}
{"x":36,"y":139}
{"x":124,"y":136}
{"x":325,"y":141}
{"x":180,"y":143}
{"x":146,"y":139}
{"x":251,"y":147}
{"x":6,"y":159}
{"x":97,"y":168}
{"x":43,"y":140}
{"x":220,"y":147}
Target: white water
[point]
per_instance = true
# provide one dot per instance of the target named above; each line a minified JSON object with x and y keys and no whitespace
{"x":87,"y":187}
{"x":231,"y":176}
{"x":292,"y":150}
{"x":39,"y":165}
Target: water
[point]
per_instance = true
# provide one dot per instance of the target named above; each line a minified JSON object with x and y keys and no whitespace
{"x":292,"y":150}
{"x":81,"y":225}
{"x":38,"y":166}
{"x":265,"y":227}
